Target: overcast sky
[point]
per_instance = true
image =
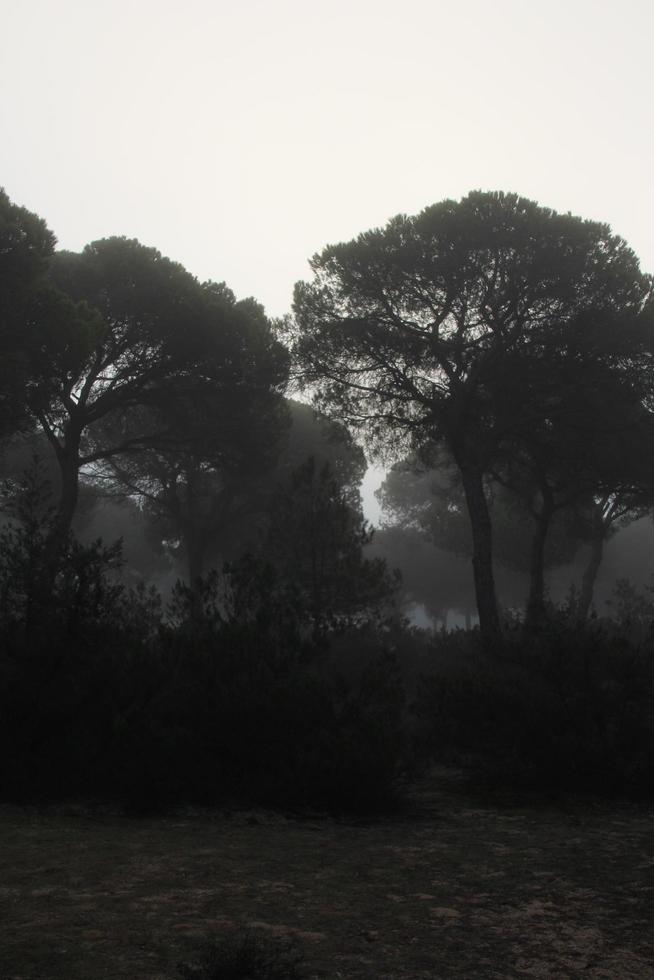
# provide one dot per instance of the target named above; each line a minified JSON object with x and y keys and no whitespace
{"x":241,"y":137}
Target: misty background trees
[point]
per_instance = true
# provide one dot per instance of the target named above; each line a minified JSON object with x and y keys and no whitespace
{"x":185,"y":558}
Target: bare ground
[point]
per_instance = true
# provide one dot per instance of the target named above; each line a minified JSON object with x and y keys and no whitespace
{"x":457,"y":887}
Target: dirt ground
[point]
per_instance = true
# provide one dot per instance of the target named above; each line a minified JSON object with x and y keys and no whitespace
{"x":456,"y":886}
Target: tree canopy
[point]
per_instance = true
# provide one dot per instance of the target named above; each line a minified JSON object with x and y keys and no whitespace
{"x":156,"y":354}
{"x":405,"y":330}
{"x":26,"y":247}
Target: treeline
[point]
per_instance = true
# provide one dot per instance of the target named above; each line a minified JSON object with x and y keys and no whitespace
{"x":500,"y":351}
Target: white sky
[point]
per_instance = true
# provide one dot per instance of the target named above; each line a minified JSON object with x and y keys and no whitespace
{"x":241,"y":137}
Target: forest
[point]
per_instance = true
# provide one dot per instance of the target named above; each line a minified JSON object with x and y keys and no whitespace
{"x":193,"y":607}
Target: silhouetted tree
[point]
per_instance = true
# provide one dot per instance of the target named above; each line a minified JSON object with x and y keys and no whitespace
{"x":621,"y":497}
{"x":26,"y":245}
{"x":591,"y":445}
{"x":199,"y":481}
{"x":438,"y":581}
{"x":215,"y":504}
{"x":30,"y":310}
{"x":426,"y":498}
{"x":154,"y":341}
{"x":315,"y":541}
{"x":314,"y":434}
{"x":402,"y":329}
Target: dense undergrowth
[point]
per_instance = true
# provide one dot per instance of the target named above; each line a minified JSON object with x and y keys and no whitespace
{"x":224,"y":696}
{"x":105,"y":694}
{"x":570,"y":710}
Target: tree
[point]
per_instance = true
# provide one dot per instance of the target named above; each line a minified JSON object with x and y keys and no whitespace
{"x":199,"y":483}
{"x":403,"y":329}
{"x":313,"y":434}
{"x":438,"y":581}
{"x":623,"y":494}
{"x":315,"y":541}
{"x":592,"y":444}
{"x":26,"y":247}
{"x":424,"y":497}
{"x":212,"y":501}
{"x":153,"y":342}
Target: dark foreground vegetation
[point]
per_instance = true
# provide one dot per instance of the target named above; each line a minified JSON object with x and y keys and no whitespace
{"x":193,"y":612}
{"x":107,"y":696}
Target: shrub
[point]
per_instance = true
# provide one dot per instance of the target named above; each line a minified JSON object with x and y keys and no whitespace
{"x":229,"y":697}
{"x":570,"y":709}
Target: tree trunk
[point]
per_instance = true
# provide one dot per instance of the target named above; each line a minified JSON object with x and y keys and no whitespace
{"x":69,"y":494}
{"x":590,"y":574}
{"x":536,"y":600}
{"x":57,"y":535}
{"x":482,"y":558}
{"x":193,"y":530}
{"x":69,"y":466}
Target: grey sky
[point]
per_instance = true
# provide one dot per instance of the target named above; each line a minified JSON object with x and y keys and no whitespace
{"x":240,"y":138}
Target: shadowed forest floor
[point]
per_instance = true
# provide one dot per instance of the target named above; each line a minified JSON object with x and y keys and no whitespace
{"x":456,"y":887}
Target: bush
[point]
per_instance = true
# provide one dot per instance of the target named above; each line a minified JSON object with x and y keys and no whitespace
{"x":572,"y":709}
{"x":100,"y":697}
{"x":282,"y":727}
{"x":72,"y":642}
